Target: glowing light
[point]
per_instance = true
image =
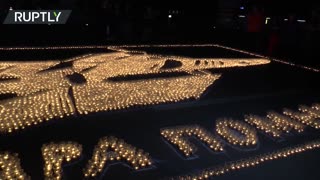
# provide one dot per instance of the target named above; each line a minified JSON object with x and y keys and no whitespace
{"x":285,"y":123}
{"x":263,"y":124}
{"x":267,"y":20}
{"x":107,"y":95}
{"x":30,"y":78}
{"x":169,"y":16}
{"x":44,"y":92}
{"x":251,"y":162}
{"x":307,"y":115}
{"x":217,"y":46}
{"x":112,"y":149}
{"x":227,"y":127}
{"x":22,"y":112}
{"x":241,"y":16}
{"x":178,"y":136}
{"x":301,"y":20}
{"x":175,"y":45}
{"x":56,"y":154}
{"x":10,"y":167}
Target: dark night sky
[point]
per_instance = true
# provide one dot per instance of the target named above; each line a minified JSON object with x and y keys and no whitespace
{"x":189,"y":7}
{"x":202,"y":4}
{"x":194,"y":18}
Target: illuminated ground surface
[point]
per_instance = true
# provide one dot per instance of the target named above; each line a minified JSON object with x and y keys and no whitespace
{"x":230,"y":89}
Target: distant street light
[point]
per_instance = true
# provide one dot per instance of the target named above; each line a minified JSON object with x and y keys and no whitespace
{"x":301,"y":20}
{"x":267,"y":20}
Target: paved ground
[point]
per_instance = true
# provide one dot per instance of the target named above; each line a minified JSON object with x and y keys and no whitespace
{"x":239,"y":91}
